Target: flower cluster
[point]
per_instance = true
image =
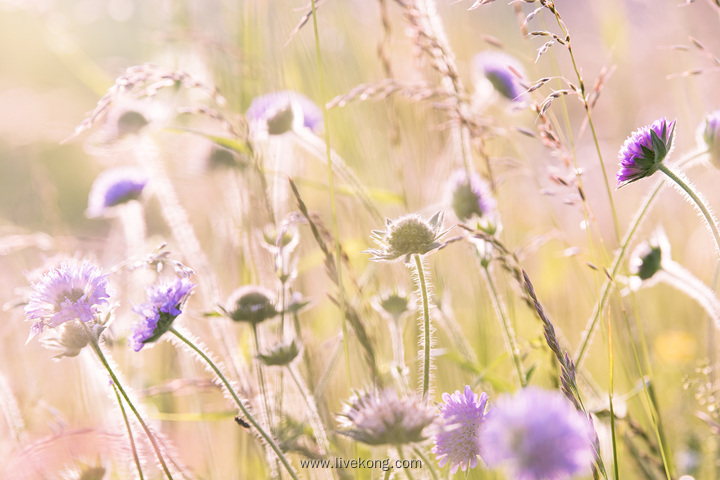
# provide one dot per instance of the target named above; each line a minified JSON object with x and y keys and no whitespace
{"x":69,"y":292}
{"x":644,"y":151}
{"x":164,"y":303}
{"x":382,"y":417}
{"x":458,"y":443}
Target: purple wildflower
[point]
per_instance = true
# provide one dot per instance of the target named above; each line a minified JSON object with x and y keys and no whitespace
{"x":72,"y":291}
{"x":385,"y":418}
{"x":277,"y":111}
{"x":459,"y":441}
{"x":644,"y":151}
{"x":500,"y":70}
{"x":165,"y":303}
{"x":470,"y":196}
{"x":537,"y":435}
{"x":710,"y":132}
{"x":113,"y":187}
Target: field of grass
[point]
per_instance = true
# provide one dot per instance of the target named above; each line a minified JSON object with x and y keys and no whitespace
{"x":241,"y":237}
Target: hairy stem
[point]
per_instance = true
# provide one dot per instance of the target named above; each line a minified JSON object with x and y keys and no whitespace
{"x":117,"y":385}
{"x":699,"y":203}
{"x":239,"y":403}
{"x":427,"y":334}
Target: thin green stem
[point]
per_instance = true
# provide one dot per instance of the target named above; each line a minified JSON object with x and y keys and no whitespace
{"x":239,"y":403}
{"x":508,"y":330}
{"x":136,"y":459}
{"x":331,"y":185}
{"x":590,"y":121}
{"x":261,"y":377}
{"x":611,"y":362}
{"x":402,"y":459}
{"x":617,"y":260}
{"x":426,"y":325}
{"x":696,"y":199}
{"x":425,"y":461}
{"x":315,"y":420}
{"x":116,"y":383}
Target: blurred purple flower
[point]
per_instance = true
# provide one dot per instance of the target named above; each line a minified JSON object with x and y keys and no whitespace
{"x":459,"y":441}
{"x":644,"y":151}
{"x":276,"y":111}
{"x":385,"y":418}
{"x":499,"y":69}
{"x":113,"y":187}
{"x":164,"y":304}
{"x":470,"y":196}
{"x":71,"y":291}
{"x":710,"y":131}
{"x":537,"y":435}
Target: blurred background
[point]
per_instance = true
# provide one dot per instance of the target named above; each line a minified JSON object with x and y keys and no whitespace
{"x":58,"y":58}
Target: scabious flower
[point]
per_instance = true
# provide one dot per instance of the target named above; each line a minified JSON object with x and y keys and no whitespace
{"x":114,"y":187}
{"x":710,"y":135}
{"x":537,"y":435}
{"x":69,"y":292}
{"x":407,"y":236}
{"x":499,"y":69}
{"x":458,"y":441}
{"x":392,"y":305}
{"x":382,"y":417}
{"x":251,"y":304}
{"x":280,"y":355}
{"x":644,"y":151}
{"x":470,"y":196}
{"x":164,"y":303}
{"x":280,"y":112}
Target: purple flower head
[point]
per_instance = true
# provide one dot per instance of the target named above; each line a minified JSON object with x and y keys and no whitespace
{"x":499,"y":69}
{"x":644,"y":151}
{"x":537,"y":434}
{"x":164,"y":303}
{"x":382,"y":417}
{"x":279,"y":112}
{"x":710,"y":132}
{"x":71,"y":291}
{"x":113,"y":187}
{"x":458,"y":443}
{"x":470,"y":196}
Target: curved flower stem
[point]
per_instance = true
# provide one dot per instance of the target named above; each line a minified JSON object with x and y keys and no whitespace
{"x":239,"y":403}
{"x":508,"y":330}
{"x":617,"y":260}
{"x":130,"y":434}
{"x":677,"y":178}
{"x":426,"y":324}
{"x":116,"y":384}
